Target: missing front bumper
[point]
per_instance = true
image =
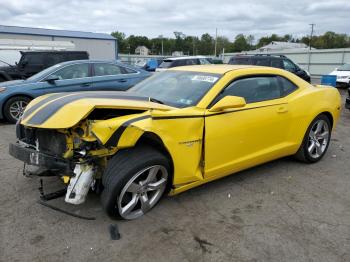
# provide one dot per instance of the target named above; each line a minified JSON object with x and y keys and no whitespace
{"x":36,"y":158}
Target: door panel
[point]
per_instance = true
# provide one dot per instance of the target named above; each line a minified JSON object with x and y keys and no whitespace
{"x":73,"y":78}
{"x":258,"y":132}
{"x":239,"y":139}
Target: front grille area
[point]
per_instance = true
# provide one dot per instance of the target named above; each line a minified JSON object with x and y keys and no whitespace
{"x":50,"y":141}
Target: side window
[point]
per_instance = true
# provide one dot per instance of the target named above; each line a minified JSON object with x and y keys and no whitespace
{"x":288,"y":65}
{"x":287,"y":86}
{"x":276,"y":63}
{"x":73,"y":72}
{"x":126,"y":70}
{"x":254,"y":89}
{"x":192,"y":62}
{"x":203,"y":61}
{"x":263,"y":62}
{"x":107,"y":69}
{"x":52,"y":59}
{"x":32,"y":59}
{"x":179,"y":63}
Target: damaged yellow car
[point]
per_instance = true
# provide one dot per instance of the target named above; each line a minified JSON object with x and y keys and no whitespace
{"x":174,"y":131}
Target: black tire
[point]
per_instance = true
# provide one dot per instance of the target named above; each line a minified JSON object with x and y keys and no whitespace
{"x":120,"y":170}
{"x":17,"y":99}
{"x":303,"y":153}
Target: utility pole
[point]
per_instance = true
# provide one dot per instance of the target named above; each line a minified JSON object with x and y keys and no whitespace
{"x":193,"y":45}
{"x":216,"y":39}
{"x":161,"y":37}
{"x":312,"y":32}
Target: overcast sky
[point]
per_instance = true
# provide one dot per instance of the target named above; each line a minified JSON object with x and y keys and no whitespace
{"x":192,"y":17}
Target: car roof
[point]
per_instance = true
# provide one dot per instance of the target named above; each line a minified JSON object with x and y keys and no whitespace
{"x":183,"y":57}
{"x":92,"y":61}
{"x":212,"y":68}
{"x":50,"y":51}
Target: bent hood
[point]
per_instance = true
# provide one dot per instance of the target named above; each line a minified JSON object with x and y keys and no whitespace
{"x":65,"y":110}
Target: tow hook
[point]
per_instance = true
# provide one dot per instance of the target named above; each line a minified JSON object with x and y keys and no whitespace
{"x":79,"y":185}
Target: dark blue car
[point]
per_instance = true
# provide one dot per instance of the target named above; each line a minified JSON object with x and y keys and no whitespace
{"x":73,"y":76}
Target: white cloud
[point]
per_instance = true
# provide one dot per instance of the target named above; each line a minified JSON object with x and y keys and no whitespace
{"x":192,"y":17}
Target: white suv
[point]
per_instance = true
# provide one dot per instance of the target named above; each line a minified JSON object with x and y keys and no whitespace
{"x":343,"y":75}
{"x":182,"y":61}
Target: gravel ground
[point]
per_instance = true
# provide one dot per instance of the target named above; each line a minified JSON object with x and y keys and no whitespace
{"x":280,"y":211}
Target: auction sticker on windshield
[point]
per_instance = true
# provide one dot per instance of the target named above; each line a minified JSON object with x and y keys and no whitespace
{"x":210,"y":79}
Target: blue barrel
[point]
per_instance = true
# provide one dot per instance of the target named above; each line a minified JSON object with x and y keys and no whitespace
{"x":329,"y":80}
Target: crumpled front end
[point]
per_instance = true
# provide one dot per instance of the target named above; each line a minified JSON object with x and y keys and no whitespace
{"x":74,"y":135}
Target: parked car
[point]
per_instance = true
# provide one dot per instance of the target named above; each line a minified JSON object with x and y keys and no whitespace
{"x":343,"y":75}
{"x":347,"y":101}
{"x":215,"y":60}
{"x":32,"y":62}
{"x":278,"y":61}
{"x":72,"y":76}
{"x":174,"y":131}
{"x":182,"y":61}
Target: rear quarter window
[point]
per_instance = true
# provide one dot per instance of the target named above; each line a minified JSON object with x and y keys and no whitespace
{"x":287,"y":87}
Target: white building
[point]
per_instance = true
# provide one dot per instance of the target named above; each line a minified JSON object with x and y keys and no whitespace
{"x":142,"y":50}
{"x":177,"y":53}
{"x":276,"y":46}
{"x":98,"y":45}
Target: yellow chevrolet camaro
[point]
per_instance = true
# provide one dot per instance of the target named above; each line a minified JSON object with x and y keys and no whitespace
{"x":174,"y":131}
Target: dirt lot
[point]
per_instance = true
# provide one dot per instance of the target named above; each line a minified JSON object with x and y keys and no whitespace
{"x":280,"y":211}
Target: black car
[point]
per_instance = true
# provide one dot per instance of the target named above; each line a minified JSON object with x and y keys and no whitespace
{"x":347,"y":101}
{"x":279,"y":61}
{"x":32,"y":62}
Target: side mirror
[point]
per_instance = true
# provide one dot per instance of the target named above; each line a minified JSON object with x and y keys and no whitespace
{"x":51,"y":79}
{"x":228,"y":102}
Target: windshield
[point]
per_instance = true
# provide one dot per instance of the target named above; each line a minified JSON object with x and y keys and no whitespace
{"x":9,"y":57}
{"x":43,"y":73}
{"x":177,"y":88}
{"x":345,"y":67}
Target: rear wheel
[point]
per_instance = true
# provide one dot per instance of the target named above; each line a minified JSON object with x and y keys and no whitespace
{"x":316,"y":140}
{"x":14,"y":108}
{"x":134,"y":182}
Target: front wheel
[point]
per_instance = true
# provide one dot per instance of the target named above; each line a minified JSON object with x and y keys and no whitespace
{"x":316,"y":140}
{"x":15,"y":107}
{"x":134,"y":182}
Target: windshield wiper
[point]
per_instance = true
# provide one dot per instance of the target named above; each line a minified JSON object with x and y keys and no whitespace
{"x":6,"y":63}
{"x":151,"y":99}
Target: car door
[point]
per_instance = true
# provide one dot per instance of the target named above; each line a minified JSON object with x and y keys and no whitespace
{"x":31,"y":64}
{"x":71,"y":78}
{"x":243,"y":137}
{"x":109,"y":76}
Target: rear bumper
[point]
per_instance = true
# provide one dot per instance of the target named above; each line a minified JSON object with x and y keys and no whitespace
{"x":36,"y":158}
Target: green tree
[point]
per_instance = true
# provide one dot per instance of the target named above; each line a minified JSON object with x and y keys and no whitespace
{"x":240,"y":44}
{"x":122,"y":43}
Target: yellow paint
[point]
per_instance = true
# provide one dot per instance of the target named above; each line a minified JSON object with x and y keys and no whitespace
{"x":234,"y":135}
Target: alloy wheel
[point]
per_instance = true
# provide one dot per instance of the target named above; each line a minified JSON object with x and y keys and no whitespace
{"x":142,"y":192}
{"x":17,"y":108}
{"x":318,"y":139}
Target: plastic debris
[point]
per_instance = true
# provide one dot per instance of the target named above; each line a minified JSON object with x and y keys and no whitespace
{"x":114,"y":232}
{"x":229,"y":195}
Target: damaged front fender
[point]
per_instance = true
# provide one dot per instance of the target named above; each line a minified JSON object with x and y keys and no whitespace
{"x":118,"y":132}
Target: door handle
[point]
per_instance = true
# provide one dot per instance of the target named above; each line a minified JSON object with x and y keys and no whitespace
{"x":122,"y":80}
{"x":85,"y":84}
{"x":282,"y":109}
